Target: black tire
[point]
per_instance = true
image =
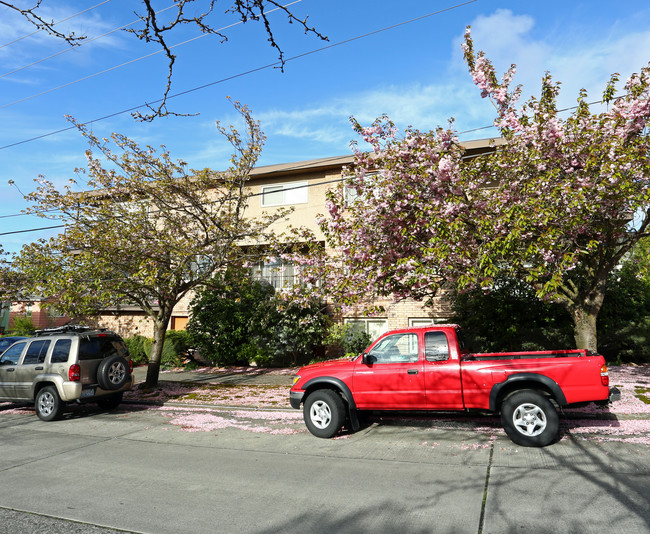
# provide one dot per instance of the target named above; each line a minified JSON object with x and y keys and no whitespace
{"x":324,"y":413}
{"x":113,"y":373}
{"x":529,"y":419}
{"x":110,"y":402}
{"x":48,"y":404}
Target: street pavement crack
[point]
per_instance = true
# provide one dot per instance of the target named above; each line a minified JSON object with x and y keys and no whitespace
{"x":485,"y":490}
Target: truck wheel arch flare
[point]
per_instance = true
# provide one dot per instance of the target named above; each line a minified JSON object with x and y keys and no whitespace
{"x":520,"y":381}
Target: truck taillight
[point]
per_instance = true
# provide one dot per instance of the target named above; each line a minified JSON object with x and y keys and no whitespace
{"x":604,"y":375}
{"x":74,"y":373}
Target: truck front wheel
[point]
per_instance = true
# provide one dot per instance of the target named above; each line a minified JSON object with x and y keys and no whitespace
{"x":324,"y":413}
{"x":529,"y":419}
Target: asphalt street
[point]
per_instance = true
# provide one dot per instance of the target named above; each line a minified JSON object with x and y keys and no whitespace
{"x":134,"y":471}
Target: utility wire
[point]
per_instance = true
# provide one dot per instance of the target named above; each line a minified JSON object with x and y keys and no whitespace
{"x":241,"y":74}
{"x":55,"y":23}
{"x":115,"y":67}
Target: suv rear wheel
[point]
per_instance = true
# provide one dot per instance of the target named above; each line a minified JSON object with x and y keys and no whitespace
{"x":48,"y":404}
{"x":113,"y":372}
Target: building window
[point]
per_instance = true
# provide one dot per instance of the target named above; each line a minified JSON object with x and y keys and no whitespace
{"x":350,"y":194}
{"x":420,"y":321}
{"x":373,"y":327}
{"x":277,"y":272}
{"x":54,"y":313}
{"x":284,"y":194}
{"x":29,"y":309}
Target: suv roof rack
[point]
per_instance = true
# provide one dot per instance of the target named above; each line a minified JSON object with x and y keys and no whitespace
{"x":67,"y":329}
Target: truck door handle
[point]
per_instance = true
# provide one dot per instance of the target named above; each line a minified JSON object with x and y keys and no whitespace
{"x":412,"y":371}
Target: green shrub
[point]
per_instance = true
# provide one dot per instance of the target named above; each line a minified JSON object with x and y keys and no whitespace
{"x":23,"y":326}
{"x":349,"y":339}
{"x":237,"y":321}
{"x":169,"y":357}
{"x":511,"y":318}
{"x":180,"y":339}
{"x":135,"y":344}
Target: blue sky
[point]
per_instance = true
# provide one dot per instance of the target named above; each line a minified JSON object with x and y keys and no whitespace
{"x":413,"y":72}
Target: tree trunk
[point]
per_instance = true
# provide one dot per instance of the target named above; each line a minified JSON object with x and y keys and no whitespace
{"x":153,"y":369}
{"x":584,"y":312}
{"x":584,"y":329}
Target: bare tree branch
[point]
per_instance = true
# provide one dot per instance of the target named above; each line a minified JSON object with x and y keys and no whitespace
{"x":247,"y":10}
{"x":42,"y":24}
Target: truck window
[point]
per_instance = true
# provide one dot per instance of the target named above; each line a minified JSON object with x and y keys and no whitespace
{"x":36,"y":352}
{"x":396,"y":348}
{"x":436,"y":347}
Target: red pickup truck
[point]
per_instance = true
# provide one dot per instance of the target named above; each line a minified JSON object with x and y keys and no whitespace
{"x":427,"y":369}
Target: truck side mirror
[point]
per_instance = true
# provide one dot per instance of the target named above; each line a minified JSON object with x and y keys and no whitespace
{"x":368,"y":359}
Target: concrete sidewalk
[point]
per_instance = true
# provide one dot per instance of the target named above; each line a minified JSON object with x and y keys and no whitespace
{"x":250,"y":376}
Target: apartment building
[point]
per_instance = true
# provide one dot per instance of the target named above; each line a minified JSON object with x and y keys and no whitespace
{"x":301,"y":186}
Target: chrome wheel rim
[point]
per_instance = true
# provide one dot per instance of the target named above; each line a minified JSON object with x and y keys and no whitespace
{"x":116,"y":373}
{"x":529,"y":419}
{"x":46,"y":403}
{"x":320,"y":414}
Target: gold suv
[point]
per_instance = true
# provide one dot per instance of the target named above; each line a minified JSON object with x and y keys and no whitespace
{"x":67,"y":364}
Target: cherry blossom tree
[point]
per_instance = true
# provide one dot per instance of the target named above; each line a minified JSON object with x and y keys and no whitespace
{"x":147,"y":230}
{"x":558,"y":202}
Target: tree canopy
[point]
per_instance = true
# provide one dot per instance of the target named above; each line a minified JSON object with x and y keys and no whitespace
{"x":146,"y":230}
{"x":557,"y":203}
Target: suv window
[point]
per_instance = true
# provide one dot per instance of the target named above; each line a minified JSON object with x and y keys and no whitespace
{"x":98,"y":348}
{"x":61,"y":351}
{"x":36,"y":352}
{"x":12,"y":354}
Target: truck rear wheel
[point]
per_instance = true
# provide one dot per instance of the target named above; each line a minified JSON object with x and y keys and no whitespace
{"x":529,"y":419}
{"x":324,"y":413}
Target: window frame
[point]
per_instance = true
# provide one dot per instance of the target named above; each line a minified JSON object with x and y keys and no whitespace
{"x":296,"y":194}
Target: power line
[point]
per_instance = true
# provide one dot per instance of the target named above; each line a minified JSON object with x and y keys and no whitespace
{"x":115,"y":67}
{"x":34,"y":229}
{"x":241,"y":74}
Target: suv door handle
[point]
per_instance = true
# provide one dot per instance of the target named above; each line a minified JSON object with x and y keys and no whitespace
{"x":412,"y":371}
{"x":39,"y":368}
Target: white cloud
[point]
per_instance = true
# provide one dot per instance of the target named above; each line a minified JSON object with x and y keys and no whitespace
{"x":577,"y":59}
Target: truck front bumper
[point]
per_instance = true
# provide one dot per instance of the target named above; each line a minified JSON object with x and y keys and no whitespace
{"x":295,"y":398}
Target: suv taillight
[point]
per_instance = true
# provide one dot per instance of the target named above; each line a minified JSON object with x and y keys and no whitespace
{"x":130,"y":366}
{"x":604,"y":376}
{"x":74,"y":373}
